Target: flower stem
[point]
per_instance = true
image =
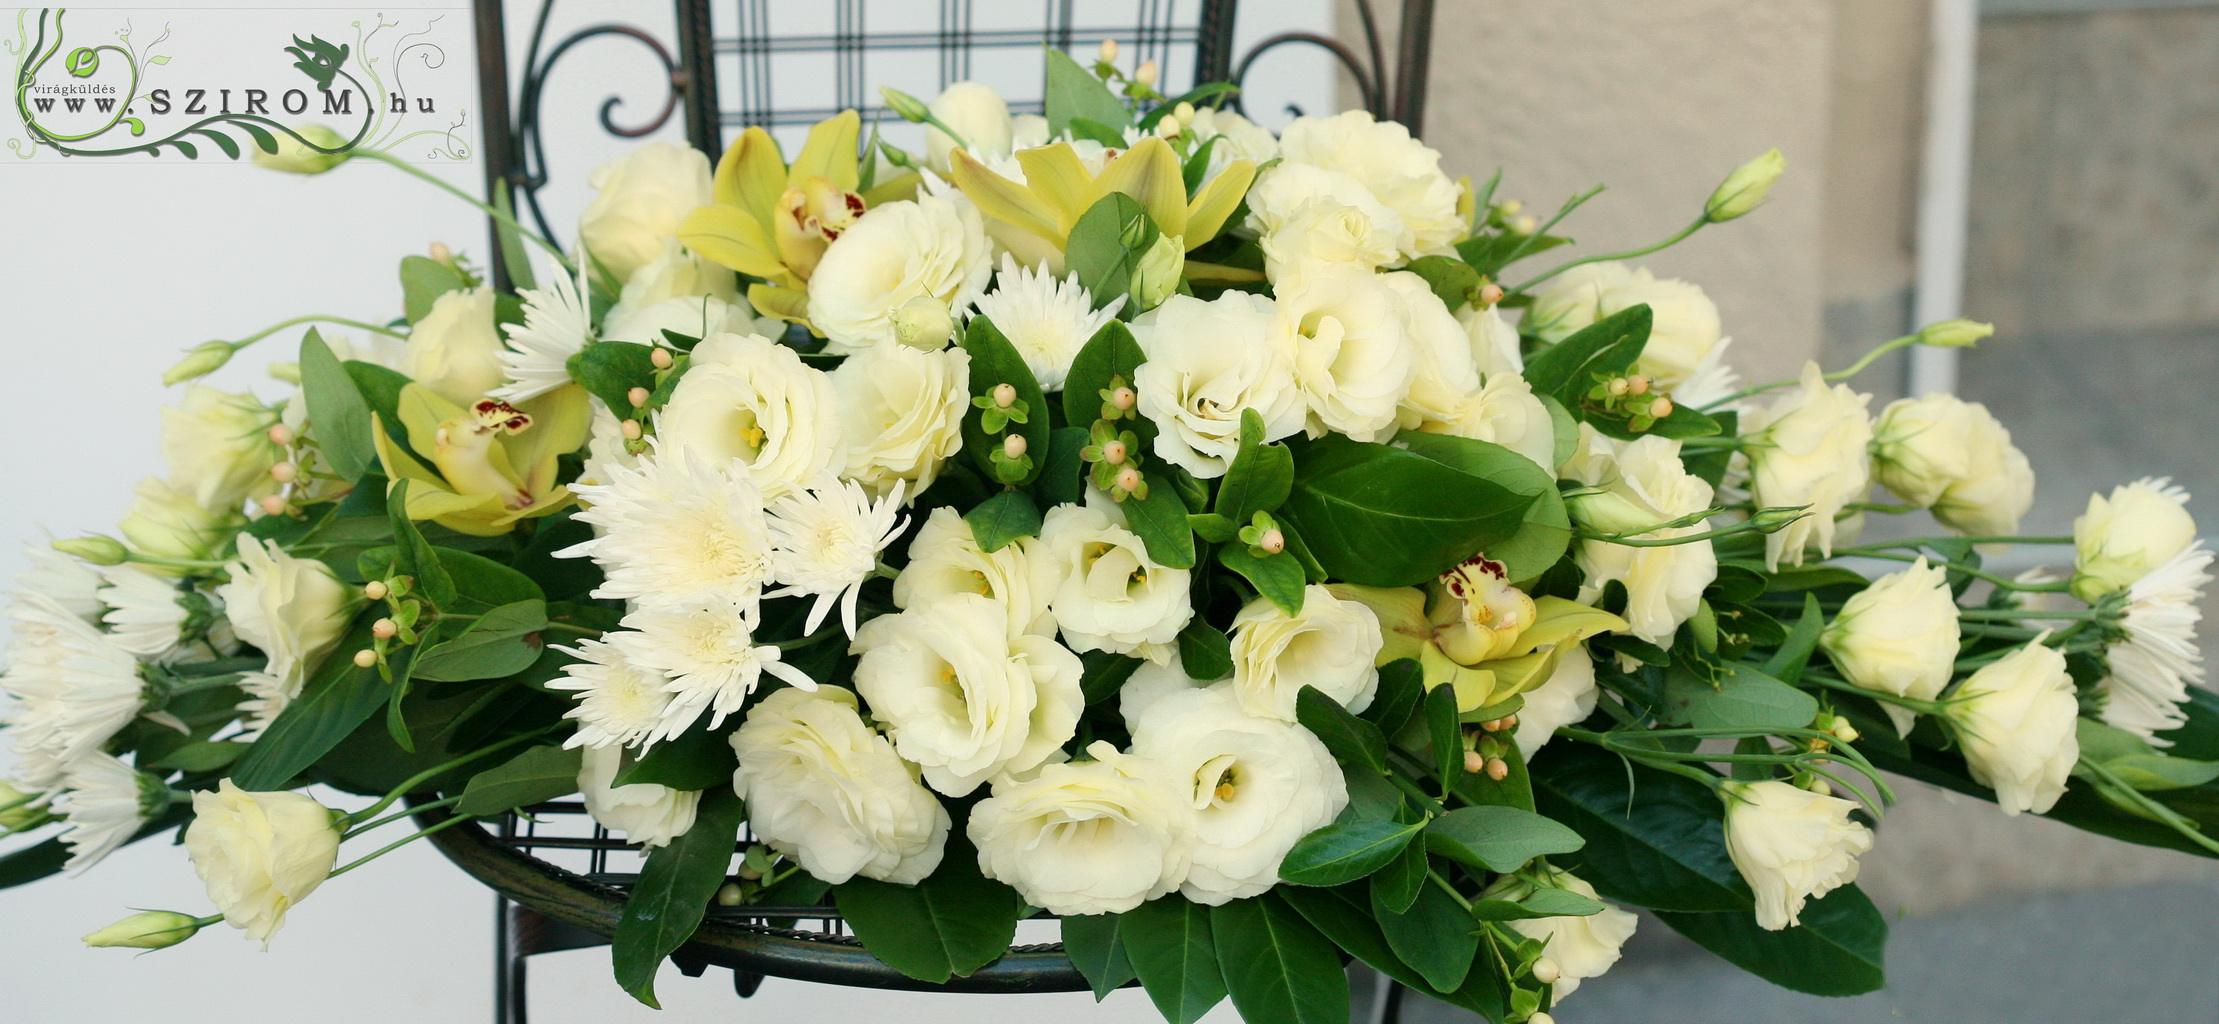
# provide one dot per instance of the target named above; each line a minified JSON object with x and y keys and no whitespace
{"x":2015,"y":614}
{"x":506,"y":220}
{"x":1450,"y":889}
{"x":1853,"y":370}
{"x":398,"y":843}
{"x":1628,"y":254}
{"x":314,"y":318}
{"x":2118,"y":789}
{"x":436,"y":771}
{"x":398,"y":815}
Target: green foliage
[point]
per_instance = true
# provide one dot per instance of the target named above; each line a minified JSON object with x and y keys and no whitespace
{"x":423,"y":281}
{"x":1489,"y":254}
{"x":1497,"y":838}
{"x":501,"y":642}
{"x":336,"y":698}
{"x":342,"y":417}
{"x":675,"y":886}
{"x":1095,"y":944}
{"x":1345,"y":915}
{"x":1452,"y":279}
{"x":1401,"y":690}
{"x":1654,"y":839}
{"x":1205,"y":652}
{"x":536,"y":775}
{"x":1397,"y":885}
{"x":1160,"y":521}
{"x":700,"y":758}
{"x":1003,"y":518}
{"x":948,"y":925}
{"x":1539,"y":904}
{"x":1074,"y":92}
{"x":1743,"y":697}
{"x":1103,"y":674}
{"x":1345,"y":851}
{"x":1110,"y":355}
{"x":995,"y":362}
{"x":1546,"y":530}
{"x":1260,"y":477}
{"x":1278,"y":577}
{"x":1433,"y":935}
{"x":611,"y":369}
{"x":1444,"y":730}
{"x":1171,"y":947}
{"x":1837,"y":950}
{"x":1107,"y":245}
{"x":1609,"y":347}
{"x":1389,"y":517}
{"x":1276,"y":966}
{"x":1352,"y":740}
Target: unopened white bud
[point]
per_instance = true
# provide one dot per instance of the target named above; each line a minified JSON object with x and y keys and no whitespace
{"x":1005,"y":395}
{"x":924,"y":322}
{"x":1145,"y":74}
{"x":638,"y":397}
{"x":284,"y":472}
{"x":1013,"y":446}
{"x":272,"y":504}
{"x":280,"y":434}
{"x":365,"y":658}
{"x":1108,"y":52}
{"x":661,"y":357}
{"x":630,"y":429}
{"x":384,"y":629}
{"x":376,"y":590}
{"x":1546,"y":971}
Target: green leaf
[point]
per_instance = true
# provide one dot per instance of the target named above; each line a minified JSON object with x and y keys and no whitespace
{"x":1205,"y":652}
{"x":1073,"y":91}
{"x":537,"y":775}
{"x":1837,"y":950}
{"x":1095,"y":948}
{"x":1096,"y":131}
{"x":1260,"y":477}
{"x":1444,"y":730}
{"x":1541,"y":539}
{"x":611,"y":369}
{"x":674,"y":890}
{"x":413,"y":555}
{"x":1542,"y":903}
{"x":1276,"y":966}
{"x":1063,"y":475}
{"x":1745,"y":698}
{"x":1160,"y":520}
{"x":336,"y":406}
{"x":1351,"y":739}
{"x":1450,"y":278}
{"x":1106,"y":246}
{"x":1172,"y":950}
{"x":514,"y":258}
{"x":1489,"y":254}
{"x":1434,"y":936}
{"x":1345,"y":915}
{"x":483,"y":584}
{"x":1395,"y":886}
{"x":1003,"y":518}
{"x":423,"y":281}
{"x":501,"y":642}
{"x":1370,"y":796}
{"x":1498,"y":838}
{"x":1401,"y":690}
{"x":1345,"y":851}
{"x":1608,"y":347}
{"x":1109,"y":354}
{"x":1390,"y":517}
{"x":1278,"y":577}
{"x":699,"y":758}
{"x":948,"y":925}
{"x":1102,"y":674}
{"x":2138,"y":764}
{"x":336,"y":698}
{"x":1654,"y":839}
{"x":202,"y":755}
{"x":994,"y":361}
{"x":1515,"y":789}
{"x":1787,"y":663}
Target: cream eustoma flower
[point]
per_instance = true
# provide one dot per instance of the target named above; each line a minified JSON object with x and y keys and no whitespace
{"x":901,"y":414}
{"x":676,"y":273}
{"x":1207,"y":362}
{"x":1582,"y":947}
{"x":292,"y":609}
{"x":1791,"y":845}
{"x":695,"y":316}
{"x":260,"y":853}
{"x":2016,"y":719}
{"x":493,"y":464}
{"x":169,"y":523}
{"x":1089,"y":837}
{"x":642,"y":199}
{"x":1256,"y":785}
{"x":1642,"y":483}
{"x":1899,"y":636}
{"x":218,"y":446}
{"x":961,"y":697}
{"x":2120,"y":539}
{"x":978,"y":114}
{"x":1950,"y":455}
{"x":1446,"y":369}
{"x":900,"y":251}
{"x":824,"y":789}
{"x":1566,"y":697}
{"x":456,"y":350}
{"x":1810,"y":449}
{"x":1331,"y":645}
{"x":1047,"y":319}
{"x":1304,"y":215}
{"x":1353,"y":361}
{"x":1399,"y":172}
{"x":1110,"y":594}
{"x":1684,"y":326}
{"x":1237,"y":138}
{"x":751,"y":399}
{"x":945,"y":559}
{"x":645,"y":813}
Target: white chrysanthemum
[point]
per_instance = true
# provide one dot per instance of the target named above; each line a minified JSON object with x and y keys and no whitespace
{"x":826,"y":544}
{"x":74,"y":689}
{"x":1046,"y":319}
{"x":103,"y":800}
{"x":619,"y":702}
{"x":557,"y":325}
{"x":2152,"y":669}
{"x":268,"y":696}
{"x":710,"y":656}
{"x":677,"y":530}
{"x":69,"y":583}
{"x":146,"y":613}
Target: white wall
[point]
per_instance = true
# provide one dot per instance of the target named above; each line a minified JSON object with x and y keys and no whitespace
{"x":110,"y":269}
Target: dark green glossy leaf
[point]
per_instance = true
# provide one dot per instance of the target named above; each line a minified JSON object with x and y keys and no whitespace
{"x":1401,"y":690}
{"x":1174,"y":952}
{"x":611,"y":369}
{"x":1606,"y":348}
{"x":1345,"y":915}
{"x":1489,"y":253}
{"x":1276,"y":966}
{"x":1434,"y":936}
{"x":537,"y":775}
{"x":1107,"y":244}
{"x":1351,"y":739}
{"x":1745,"y":698}
{"x":1073,"y":91}
{"x":1384,"y":516}
{"x":674,"y":890}
{"x":1444,"y":730}
{"x":342,"y":417}
{"x":1205,"y":652}
{"x":1837,"y":950}
{"x":501,"y":642}
{"x":414,"y":556}
{"x":1111,"y":353}
{"x":1396,"y":885}
{"x":1160,"y":520}
{"x":1096,"y":949}
{"x":1546,"y":531}
{"x":1654,"y":839}
{"x":1542,"y":903}
{"x":1345,"y":851}
{"x":1063,"y":476}
{"x":994,"y":362}
{"x":699,"y":758}
{"x":1451,"y":279}
{"x":1794,"y":655}
{"x":1277,"y":577}
{"x":1260,"y":477}
{"x":336,"y":698}
{"x":1103,"y":674}
{"x":1003,"y":518}
{"x":1500,"y":839}
{"x":1514,"y":789}
{"x":202,"y":755}
{"x":948,"y":925}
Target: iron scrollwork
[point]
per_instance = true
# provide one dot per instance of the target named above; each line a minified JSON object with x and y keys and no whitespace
{"x":1405,"y":100}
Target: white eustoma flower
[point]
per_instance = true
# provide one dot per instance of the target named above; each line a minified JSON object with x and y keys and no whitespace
{"x":641,"y":200}
{"x":456,"y":350}
{"x":1791,"y":845}
{"x":169,"y":523}
{"x":978,"y":114}
{"x":1256,"y":785}
{"x":695,"y":316}
{"x":1400,"y":172}
{"x":146,"y":613}
{"x":1950,"y":455}
{"x":1353,"y":361}
{"x":824,"y":789}
{"x":825,"y":543}
{"x":901,"y":414}
{"x":620,"y":702}
{"x":1088,"y":837}
{"x":1582,"y":947}
{"x":1304,"y":214}
{"x":902,"y":250}
{"x":1898,"y":636}
{"x":1047,"y":319}
{"x":709,"y":654}
{"x":1446,"y":370}
{"x":746,"y":397}
{"x":63,"y":580}
{"x":1684,"y":321}
{"x":2159,"y":659}
{"x":1712,"y":384}
{"x":218,"y":448}
{"x":292,"y":609}
{"x":2016,"y":720}
{"x":1566,"y":698}
{"x":1493,"y":341}
{"x":1152,"y":681}
{"x":260,"y":853}
{"x":2119,"y":539}
{"x":104,"y":801}
{"x":945,"y":558}
{"x":961,"y":697}
{"x":1330,"y":645}
{"x":644,"y":813}
{"x":1208,"y":361}
{"x":677,"y":529}
{"x":1236,"y":138}
{"x":1110,"y":594}
{"x":1810,"y":449}
{"x":1642,"y":482}
{"x":557,"y":324}
{"x":74,"y":689}
{"x":677,"y":273}
{"x":1503,"y":411}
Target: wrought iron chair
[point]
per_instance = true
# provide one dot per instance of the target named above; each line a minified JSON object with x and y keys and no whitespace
{"x":546,"y":907}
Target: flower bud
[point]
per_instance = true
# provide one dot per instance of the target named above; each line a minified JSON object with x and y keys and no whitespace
{"x":203,"y":360}
{"x":660,"y":358}
{"x":1660,"y":408}
{"x":1157,"y":275}
{"x":281,"y":435}
{"x":148,"y":929}
{"x":1108,"y":52}
{"x":439,"y":253}
{"x":1013,"y":446}
{"x":365,"y":658}
{"x":1114,"y":453}
{"x":272,"y":504}
{"x":1525,"y":225}
{"x":2121,"y":538}
{"x":96,"y":549}
{"x":630,"y":429}
{"x":1955,"y":333}
{"x":1490,"y":293}
{"x":1005,"y":395}
{"x":284,"y":472}
{"x":1123,"y":398}
{"x":730,"y":894}
{"x":384,"y":629}
{"x":1745,"y":187}
{"x":1510,"y":207}
{"x":904,"y":106}
{"x":1540,"y":1017}
{"x":1475,"y":762}
{"x":1145,"y":74}
{"x":1498,"y":769}
{"x":1128,"y":479}
{"x":1546,"y":971}
{"x":376,"y":590}
{"x":1184,"y":112}
{"x":1274,"y":541}
{"x":924,"y":322}
{"x":306,"y":154}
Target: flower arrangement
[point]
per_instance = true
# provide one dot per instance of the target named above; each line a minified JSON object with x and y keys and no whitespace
{"x":1124,"y":514}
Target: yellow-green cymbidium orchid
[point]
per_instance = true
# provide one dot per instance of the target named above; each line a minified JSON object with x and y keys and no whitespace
{"x":492,"y":465}
{"x":1472,"y":630}
{"x":1058,"y":189}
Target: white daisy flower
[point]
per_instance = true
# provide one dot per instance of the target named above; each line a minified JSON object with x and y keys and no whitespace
{"x":63,"y":580}
{"x":677,"y":531}
{"x":104,"y":801}
{"x":1047,"y":319}
{"x":557,"y":325}
{"x":74,"y":689}
{"x":147,"y":614}
{"x":2153,"y":667}
{"x":267,"y":697}
{"x":827,"y":541}
{"x":619,"y":703}
{"x":710,"y":656}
